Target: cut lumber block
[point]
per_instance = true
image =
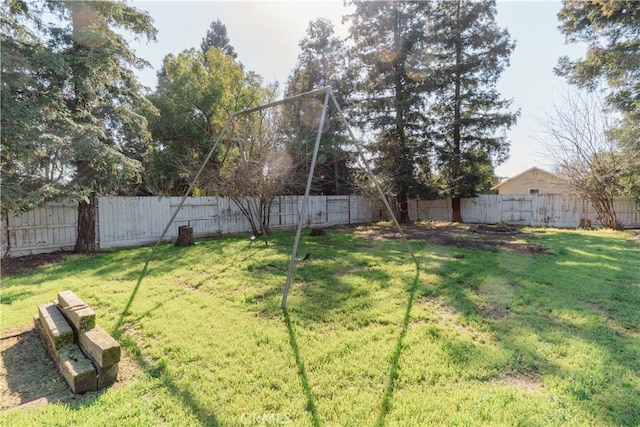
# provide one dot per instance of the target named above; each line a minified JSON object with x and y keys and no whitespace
{"x":100,"y":347}
{"x":74,"y":366}
{"x":80,"y":315}
{"x":77,"y":369}
{"x":56,"y":329}
{"x":107,"y":376}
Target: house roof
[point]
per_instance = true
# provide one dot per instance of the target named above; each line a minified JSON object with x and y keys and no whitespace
{"x":495,"y":187}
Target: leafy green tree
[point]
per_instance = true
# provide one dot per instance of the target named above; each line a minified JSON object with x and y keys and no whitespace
{"x":195,"y":98}
{"x":468,"y":117}
{"x":321,"y":62}
{"x":73,"y":56}
{"x":389,"y":97}
{"x":611,"y":30}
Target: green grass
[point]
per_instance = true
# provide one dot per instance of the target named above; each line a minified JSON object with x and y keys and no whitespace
{"x":473,"y":338}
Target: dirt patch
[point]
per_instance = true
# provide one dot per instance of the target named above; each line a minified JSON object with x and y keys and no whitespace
{"x":595,"y":307}
{"x":29,"y":377}
{"x":499,"y":229}
{"x":522,"y":381}
{"x":17,"y":265}
{"x":11,"y":266}
{"x":483,"y":237}
{"x":634,"y":235}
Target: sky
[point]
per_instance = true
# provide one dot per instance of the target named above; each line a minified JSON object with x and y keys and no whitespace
{"x":266,"y":34}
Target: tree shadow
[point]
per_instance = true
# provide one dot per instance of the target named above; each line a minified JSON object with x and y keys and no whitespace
{"x":247,"y":251}
{"x":318,"y":292}
{"x":29,"y":371}
{"x":557,"y":303}
{"x":159,"y":371}
{"x":310,"y":405}
{"x":387,"y":398}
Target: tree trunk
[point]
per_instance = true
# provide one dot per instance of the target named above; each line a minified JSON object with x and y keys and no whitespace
{"x":456,"y":167}
{"x":86,"y":239}
{"x":403,"y":206}
{"x":603,"y":205}
{"x":456,"y":211}
{"x":185,"y":236}
{"x":404,"y":168}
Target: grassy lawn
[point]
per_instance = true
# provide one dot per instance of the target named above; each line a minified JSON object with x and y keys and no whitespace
{"x":476,"y":337}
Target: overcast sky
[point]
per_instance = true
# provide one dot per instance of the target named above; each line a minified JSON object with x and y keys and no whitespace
{"x":265,"y":34}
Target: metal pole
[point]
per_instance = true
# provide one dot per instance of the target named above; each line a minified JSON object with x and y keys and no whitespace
{"x":166,"y":228}
{"x":193,"y":183}
{"x":374,"y":179}
{"x":303,"y":211}
{"x":282,"y":101}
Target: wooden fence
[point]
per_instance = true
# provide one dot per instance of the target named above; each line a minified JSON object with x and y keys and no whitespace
{"x":545,"y":210}
{"x":131,"y":221}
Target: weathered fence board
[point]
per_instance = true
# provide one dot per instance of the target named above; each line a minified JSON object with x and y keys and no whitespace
{"x":338,"y":210}
{"x":551,"y":210}
{"x":432,"y":210}
{"x":47,"y":229}
{"x":129,"y":221}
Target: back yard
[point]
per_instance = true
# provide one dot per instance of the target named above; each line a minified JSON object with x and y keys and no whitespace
{"x":537,"y":327}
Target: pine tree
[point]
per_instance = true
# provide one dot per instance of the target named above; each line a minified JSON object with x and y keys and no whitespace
{"x":389,"y":97}
{"x":469,"y":119}
{"x":321,"y":62}
{"x":217,"y":37}
{"x":91,"y":96}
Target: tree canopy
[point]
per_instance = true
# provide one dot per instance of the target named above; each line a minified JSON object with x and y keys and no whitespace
{"x":468,"y":118}
{"x":389,"y":91}
{"x":426,"y":88}
{"x":322,"y":61}
{"x":71,"y":103}
{"x":194,"y":99}
{"x":217,"y":37}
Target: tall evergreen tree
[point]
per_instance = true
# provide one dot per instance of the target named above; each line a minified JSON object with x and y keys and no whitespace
{"x":35,"y":161}
{"x":321,"y":62}
{"x":469,"y":119}
{"x":89,"y":111}
{"x":217,"y":37}
{"x":389,"y":97}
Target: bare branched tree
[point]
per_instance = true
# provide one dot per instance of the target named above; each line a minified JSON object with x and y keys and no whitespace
{"x":578,"y":138}
{"x":256,"y":166}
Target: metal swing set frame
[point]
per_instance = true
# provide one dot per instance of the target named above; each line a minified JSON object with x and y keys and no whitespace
{"x":328,"y":94}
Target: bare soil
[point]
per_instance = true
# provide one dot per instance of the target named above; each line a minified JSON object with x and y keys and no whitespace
{"x":29,"y":377}
{"x":464,"y":236}
{"x":11,"y":266}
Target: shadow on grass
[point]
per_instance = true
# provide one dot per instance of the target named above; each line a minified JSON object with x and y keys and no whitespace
{"x":249,"y":251}
{"x":29,"y":372}
{"x":586,"y":293}
{"x":310,"y":401}
{"x":159,"y":371}
{"x":322,"y":287}
{"x":387,"y":398}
